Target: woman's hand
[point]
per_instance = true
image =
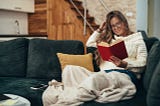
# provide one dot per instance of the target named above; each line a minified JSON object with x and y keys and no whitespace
{"x":118,"y":62}
{"x":101,"y":27}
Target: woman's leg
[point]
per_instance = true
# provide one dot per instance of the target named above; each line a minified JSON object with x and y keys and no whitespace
{"x":108,"y":87}
{"x":50,"y":95}
{"x":97,"y":81}
{"x":74,"y":75}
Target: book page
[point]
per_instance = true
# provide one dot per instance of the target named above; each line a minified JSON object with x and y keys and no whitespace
{"x":105,"y":44}
{"x":116,"y":41}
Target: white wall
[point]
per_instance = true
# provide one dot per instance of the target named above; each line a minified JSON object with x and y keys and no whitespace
{"x":142,"y":14}
{"x":148,"y":13}
{"x":8,"y":25}
{"x":156,"y":18}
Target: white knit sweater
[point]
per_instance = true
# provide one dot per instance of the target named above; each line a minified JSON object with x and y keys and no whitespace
{"x":136,"y":48}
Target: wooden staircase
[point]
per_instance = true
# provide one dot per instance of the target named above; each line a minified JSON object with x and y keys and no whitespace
{"x":59,"y":21}
{"x":89,"y":18}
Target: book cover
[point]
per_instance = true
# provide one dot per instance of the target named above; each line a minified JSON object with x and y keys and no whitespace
{"x":117,"y":49}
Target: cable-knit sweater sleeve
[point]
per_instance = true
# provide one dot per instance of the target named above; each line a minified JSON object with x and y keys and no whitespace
{"x":137,"y":51}
{"x":92,"y":40}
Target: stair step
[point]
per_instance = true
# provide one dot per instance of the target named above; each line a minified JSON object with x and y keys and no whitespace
{"x":95,"y":26}
{"x":76,"y":2}
{"x":40,"y":1}
{"x":78,"y":6}
{"x":89,"y":19}
{"x":80,"y":9}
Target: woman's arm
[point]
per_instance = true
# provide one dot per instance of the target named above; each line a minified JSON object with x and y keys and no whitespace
{"x":91,"y":42}
{"x":92,"y":39}
{"x":141,"y":56}
{"x":137,"y":53}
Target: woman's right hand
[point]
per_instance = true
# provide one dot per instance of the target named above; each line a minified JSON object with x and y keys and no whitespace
{"x":101,"y":27}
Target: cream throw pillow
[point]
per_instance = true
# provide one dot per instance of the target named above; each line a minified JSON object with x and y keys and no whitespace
{"x":78,"y":60}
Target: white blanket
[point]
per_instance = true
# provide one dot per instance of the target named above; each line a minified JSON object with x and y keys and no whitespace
{"x":80,"y":85}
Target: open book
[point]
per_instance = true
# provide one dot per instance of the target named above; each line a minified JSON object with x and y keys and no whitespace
{"x":116,"y":49}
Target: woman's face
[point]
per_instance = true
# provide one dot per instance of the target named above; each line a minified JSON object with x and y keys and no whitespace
{"x":118,"y":27}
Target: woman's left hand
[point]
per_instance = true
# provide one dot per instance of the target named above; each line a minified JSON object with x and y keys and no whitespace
{"x":118,"y":62}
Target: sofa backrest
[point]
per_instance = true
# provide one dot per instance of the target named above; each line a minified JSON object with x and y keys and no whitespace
{"x":152,"y":61}
{"x":153,"y":95}
{"x":92,"y":50}
{"x":42,"y":59}
{"x":13,"y":57}
{"x":153,"y":48}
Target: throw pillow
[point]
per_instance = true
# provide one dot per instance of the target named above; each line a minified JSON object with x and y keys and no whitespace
{"x":79,"y":60}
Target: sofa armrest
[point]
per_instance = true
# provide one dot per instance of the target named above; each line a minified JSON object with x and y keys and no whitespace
{"x":153,"y":97}
{"x":92,"y":50}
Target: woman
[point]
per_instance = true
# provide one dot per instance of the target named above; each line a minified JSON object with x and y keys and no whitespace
{"x":116,"y":27}
{"x":116,"y":79}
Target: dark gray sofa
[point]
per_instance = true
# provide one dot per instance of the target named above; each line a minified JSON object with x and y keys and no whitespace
{"x":25,"y":63}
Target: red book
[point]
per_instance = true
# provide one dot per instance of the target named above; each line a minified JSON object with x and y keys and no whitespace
{"x":117,"y":49}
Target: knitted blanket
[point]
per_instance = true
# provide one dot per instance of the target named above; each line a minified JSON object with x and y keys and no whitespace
{"x":99,"y":86}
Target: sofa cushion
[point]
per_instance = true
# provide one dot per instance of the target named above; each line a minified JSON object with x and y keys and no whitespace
{"x":93,"y":50}
{"x":152,"y":61}
{"x":13,"y":57}
{"x":149,"y":42}
{"x":21,"y":86}
{"x":42,"y":59}
{"x":153,"y":96}
{"x":79,"y":60}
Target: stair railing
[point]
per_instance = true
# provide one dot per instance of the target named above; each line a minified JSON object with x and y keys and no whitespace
{"x":85,"y":18}
{"x":82,"y":15}
{"x":104,"y":5}
{"x":85,"y":12}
